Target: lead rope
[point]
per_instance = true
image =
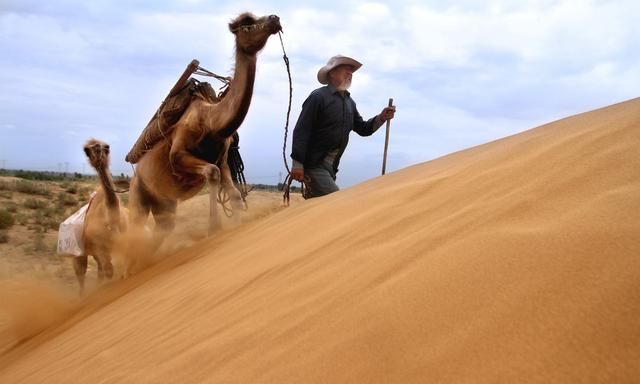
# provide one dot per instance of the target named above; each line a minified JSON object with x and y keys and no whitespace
{"x":286,"y":186}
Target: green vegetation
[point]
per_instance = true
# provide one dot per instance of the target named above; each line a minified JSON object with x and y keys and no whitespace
{"x":6,"y":219}
{"x":38,"y":243}
{"x":33,"y":203}
{"x":11,"y":206}
{"x":65,"y":200}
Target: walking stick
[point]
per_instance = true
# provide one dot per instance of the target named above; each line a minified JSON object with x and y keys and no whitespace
{"x":386,"y":142}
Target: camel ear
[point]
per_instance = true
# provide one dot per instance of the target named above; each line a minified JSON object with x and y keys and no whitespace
{"x":86,"y":151}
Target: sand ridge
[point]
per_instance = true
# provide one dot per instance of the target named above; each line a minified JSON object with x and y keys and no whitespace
{"x":513,"y":261}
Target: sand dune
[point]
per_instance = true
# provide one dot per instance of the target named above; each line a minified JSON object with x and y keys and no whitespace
{"x":515,"y":261}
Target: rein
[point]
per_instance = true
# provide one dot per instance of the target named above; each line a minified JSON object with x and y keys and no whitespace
{"x":286,"y":186}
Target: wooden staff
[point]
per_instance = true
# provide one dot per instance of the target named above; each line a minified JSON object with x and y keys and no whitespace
{"x":386,"y":142}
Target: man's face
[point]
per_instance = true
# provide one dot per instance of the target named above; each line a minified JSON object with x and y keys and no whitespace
{"x":341,"y":77}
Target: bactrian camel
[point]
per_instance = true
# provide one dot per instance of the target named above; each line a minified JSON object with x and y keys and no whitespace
{"x":195,"y":153}
{"x":104,"y":220}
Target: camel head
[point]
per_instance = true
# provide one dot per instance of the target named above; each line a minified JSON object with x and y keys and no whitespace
{"x":252,"y":32}
{"x":98,"y":153}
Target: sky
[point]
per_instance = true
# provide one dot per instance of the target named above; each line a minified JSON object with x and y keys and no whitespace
{"x":461,"y":73}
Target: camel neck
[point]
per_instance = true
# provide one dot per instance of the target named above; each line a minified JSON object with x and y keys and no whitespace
{"x":107,"y":185}
{"x":236,"y":102}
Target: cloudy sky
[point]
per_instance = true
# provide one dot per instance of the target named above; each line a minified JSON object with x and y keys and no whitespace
{"x":461,"y":72}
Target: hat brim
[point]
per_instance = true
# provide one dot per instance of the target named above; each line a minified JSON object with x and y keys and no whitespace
{"x":323,"y":73}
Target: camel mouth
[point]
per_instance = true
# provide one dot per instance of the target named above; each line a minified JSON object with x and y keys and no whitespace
{"x":273,"y":24}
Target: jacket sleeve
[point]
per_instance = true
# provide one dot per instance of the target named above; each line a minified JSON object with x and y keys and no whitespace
{"x":365,"y":128}
{"x":304,"y":128}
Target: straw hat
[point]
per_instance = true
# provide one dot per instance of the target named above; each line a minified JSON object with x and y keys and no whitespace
{"x":323,"y":73}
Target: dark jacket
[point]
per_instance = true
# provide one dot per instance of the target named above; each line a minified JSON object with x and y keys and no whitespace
{"x":324,"y":124}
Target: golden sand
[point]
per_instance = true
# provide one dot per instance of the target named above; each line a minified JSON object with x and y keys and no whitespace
{"x":517,"y":261}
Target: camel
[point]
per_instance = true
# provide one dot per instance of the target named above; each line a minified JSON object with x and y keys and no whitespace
{"x":194,"y":154}
{"x":104,"y":218}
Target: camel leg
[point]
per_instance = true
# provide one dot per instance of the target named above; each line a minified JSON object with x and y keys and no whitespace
{"x":164,"y":214}
{"x":183,"y":162}
{"x":213,"y":180}
{"x":139,"y":206}
{"x":100,"y":269}
{"x":80,"y":267}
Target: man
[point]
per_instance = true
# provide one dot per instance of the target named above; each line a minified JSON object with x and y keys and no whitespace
{"x":322,"y":132}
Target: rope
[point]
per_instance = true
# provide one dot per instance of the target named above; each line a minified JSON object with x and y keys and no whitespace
{"x":286,"y":186}
{"x":236,"y":165}
{"x":205,"y":72}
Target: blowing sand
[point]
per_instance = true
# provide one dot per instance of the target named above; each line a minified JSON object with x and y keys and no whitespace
{"x":516,"y":261}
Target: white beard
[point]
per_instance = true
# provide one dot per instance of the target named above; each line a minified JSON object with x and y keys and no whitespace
{"x":345,"y":85}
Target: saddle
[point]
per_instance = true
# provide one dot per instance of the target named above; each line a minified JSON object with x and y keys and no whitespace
{"x":173,"y":107}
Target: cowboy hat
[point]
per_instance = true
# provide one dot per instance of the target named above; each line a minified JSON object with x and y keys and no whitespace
{"x":323,"y":73}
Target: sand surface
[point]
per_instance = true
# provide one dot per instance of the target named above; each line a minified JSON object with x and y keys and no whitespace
{"x":517,"y":261}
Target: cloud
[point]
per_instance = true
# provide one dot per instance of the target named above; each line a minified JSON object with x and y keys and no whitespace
{"x":461,"y":74}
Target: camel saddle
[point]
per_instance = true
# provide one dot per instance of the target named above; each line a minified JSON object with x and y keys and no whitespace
{"x":170,"y":111}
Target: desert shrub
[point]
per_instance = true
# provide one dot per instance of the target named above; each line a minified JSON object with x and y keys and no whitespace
{"x":33,"y":203}
{"x":11,"y":207}
{"x":31,"y":188}
{"x":73,"y":189}
{"x":45,"y":219}
{"x":6,"y":194}
{"x":6,"y":219}
{"x":39,"y":175}
{"x":21,"y":219}
{"x":66,"y":200}
{"x":38,"y":243}
{"x":4,"y":237}
{"x":49,"y":212}
{"x":85,"y":192}
{"x":51,"y":223}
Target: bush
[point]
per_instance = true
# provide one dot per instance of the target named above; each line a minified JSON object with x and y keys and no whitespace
{"x":32,"y":203}
{"x":38,"y":243}
{"x":11,"y":207}
{"x":66,"y":200}
{"x":6,"y":185}
{"x":6,"y":194}
{"x":4,"y":237}
{"x":73,"y":189}
{"x":22,"y":219}
{"x":6,"y":219}
{"x":37,"y":175}
{"x":31,"y":188}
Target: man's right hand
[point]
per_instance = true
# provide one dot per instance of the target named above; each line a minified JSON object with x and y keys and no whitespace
{"x":297,"y":174}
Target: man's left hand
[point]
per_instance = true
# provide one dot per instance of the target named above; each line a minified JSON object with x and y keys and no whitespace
{"x":387,"y":113}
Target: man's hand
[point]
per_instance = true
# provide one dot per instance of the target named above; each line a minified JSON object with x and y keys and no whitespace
{"x":297,"y":174}
{"x":387,"y":113}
